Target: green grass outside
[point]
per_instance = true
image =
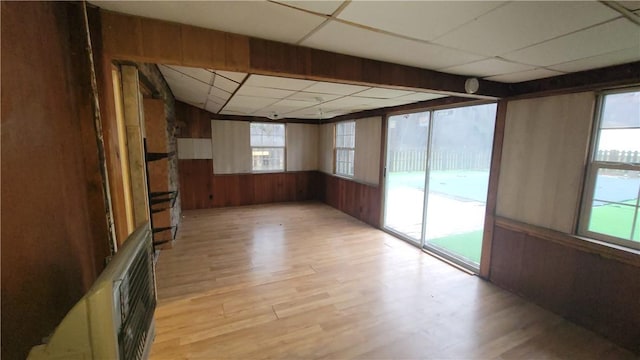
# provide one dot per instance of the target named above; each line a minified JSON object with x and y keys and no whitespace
{"x":614,"y":220}
{"x":467,"y":245}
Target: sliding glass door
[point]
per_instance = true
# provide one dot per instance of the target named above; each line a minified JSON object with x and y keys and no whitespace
{"x":460,"y":158}
{"x":407,"y":139}
{"x":437,"y":178}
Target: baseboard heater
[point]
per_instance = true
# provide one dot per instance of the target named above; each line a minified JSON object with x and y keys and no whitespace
{"x":114,"y":320}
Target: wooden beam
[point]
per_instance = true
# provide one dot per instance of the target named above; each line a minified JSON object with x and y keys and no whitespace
{"x":492,"y":199}
{"x":135,"y":134}
{"x":142,"y":39}
{"x":598,"y":79}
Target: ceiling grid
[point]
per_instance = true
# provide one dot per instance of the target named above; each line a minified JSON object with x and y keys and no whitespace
{"x":504,"y":41}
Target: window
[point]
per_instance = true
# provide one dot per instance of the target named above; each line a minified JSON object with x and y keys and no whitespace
{"x":267,"y":147}
{"x":345,"y":147}
{"x":611,"y":210}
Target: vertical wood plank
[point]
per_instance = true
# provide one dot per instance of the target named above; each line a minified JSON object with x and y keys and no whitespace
{"x":197,"y":49}
{"x":135,"y":135}
{"x":122,"y":35}
{"x":161,"y":41}
{"x":236,"y":52}
{"x":494,"y":177}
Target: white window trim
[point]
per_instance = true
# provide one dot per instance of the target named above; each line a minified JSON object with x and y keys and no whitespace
{"x":590,"y":178}
{"x":284,"y":149}
{"x":336,"y":148}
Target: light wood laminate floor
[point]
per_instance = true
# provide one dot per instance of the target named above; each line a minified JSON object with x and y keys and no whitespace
{"x":303,"y":280}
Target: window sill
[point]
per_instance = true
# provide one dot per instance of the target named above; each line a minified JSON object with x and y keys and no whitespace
{"x":601,"y":248}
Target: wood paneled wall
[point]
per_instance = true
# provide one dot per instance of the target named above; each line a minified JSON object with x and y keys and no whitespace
{"x":361,"y":201}
{"x":201,"y":189}
{"x":192,"y":121}
{"x":546,"y":142}
{"x":54,"y":228}
{"x":599,"y":292}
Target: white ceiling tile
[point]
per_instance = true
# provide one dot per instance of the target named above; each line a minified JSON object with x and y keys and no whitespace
{"x":351,"y":40}
{"x":347,"y":102}
{"x":203,"y":75}
{"x":219,"y":93}
{"x":630,"y":5}
{"x":212,"y":107}
{"x":249,"y":102}
{"x":612,"y":36}
{"x":225,"y":84}
{"x":382,"y":93}
{"x":235,"y":76}
{"x":288,"y":105}
{"x":393,"y":102}
{"x":326,"y":7}
{"x":335,"y":88}
{"x":216,"y":100}
{"x":276,"y":82}
{"x":424,"y":20}
{"x":264,"y":92}
{"x":598,"y":61}
{"x":523,"y":23}
{"x":313,"y":97}
{"x":420,"y":96}
{"x":524,"y":76}
{"x":236,"y":112}
{"x":488,"y":67}
{"x":260,"y":19}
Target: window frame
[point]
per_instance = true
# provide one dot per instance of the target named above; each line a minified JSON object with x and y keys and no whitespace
{"x":593,"y":166}
{"x":284,"y":148}
{"x":336,"y":148}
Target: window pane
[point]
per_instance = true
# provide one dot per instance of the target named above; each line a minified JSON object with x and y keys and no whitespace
{"x":620,"y":128}
{"x":344,"y":162}
{"x":267,"y":134}
{"x":621,"y":110}
{"x":619,"y":145}
{"x":268,"y":159}
{"x":616,"y":186}
{"x":614,"y":203}
{"x":346,"y":134}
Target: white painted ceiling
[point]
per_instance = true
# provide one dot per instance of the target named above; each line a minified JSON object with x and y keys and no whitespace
{"x":505,"y":41}
{"x":225,"y":92}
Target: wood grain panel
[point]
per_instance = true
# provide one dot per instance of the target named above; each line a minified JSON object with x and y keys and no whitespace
{"x":356,"y":199}
{"x":259,"y":56}
{"x":543,"y":159}
{"x":52,"y":247}
{"x":192,"y":121}
{"x":159,"y":41}
{"x":197,"y":47}
{"x":196,"y":183}
{"x":121,"y":35}
{"x":596,"y":292}
{"x":367,"y":151}
{"x":155,"y":122}
{"x":236,"y":52}
{"x":158,"y":175}
{"x":492,"y":191}
{"x":200,"y":189}
{"x":302,"y":147}
{"x":231,"y":147}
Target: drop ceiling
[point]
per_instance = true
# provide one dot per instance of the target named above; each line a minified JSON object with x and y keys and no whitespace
{"x":504,"y":41}
{"x":234,"y":93}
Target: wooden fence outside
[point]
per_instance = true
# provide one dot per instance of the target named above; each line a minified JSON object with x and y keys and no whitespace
{"x":416,"y":160}
{"x":618,"y":156}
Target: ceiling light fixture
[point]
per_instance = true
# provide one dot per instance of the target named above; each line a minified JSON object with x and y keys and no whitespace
{"x":472,"y":85}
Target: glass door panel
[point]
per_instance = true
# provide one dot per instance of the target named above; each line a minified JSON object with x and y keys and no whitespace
{"x":407,"y":139}
{"x":458,"y":177}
